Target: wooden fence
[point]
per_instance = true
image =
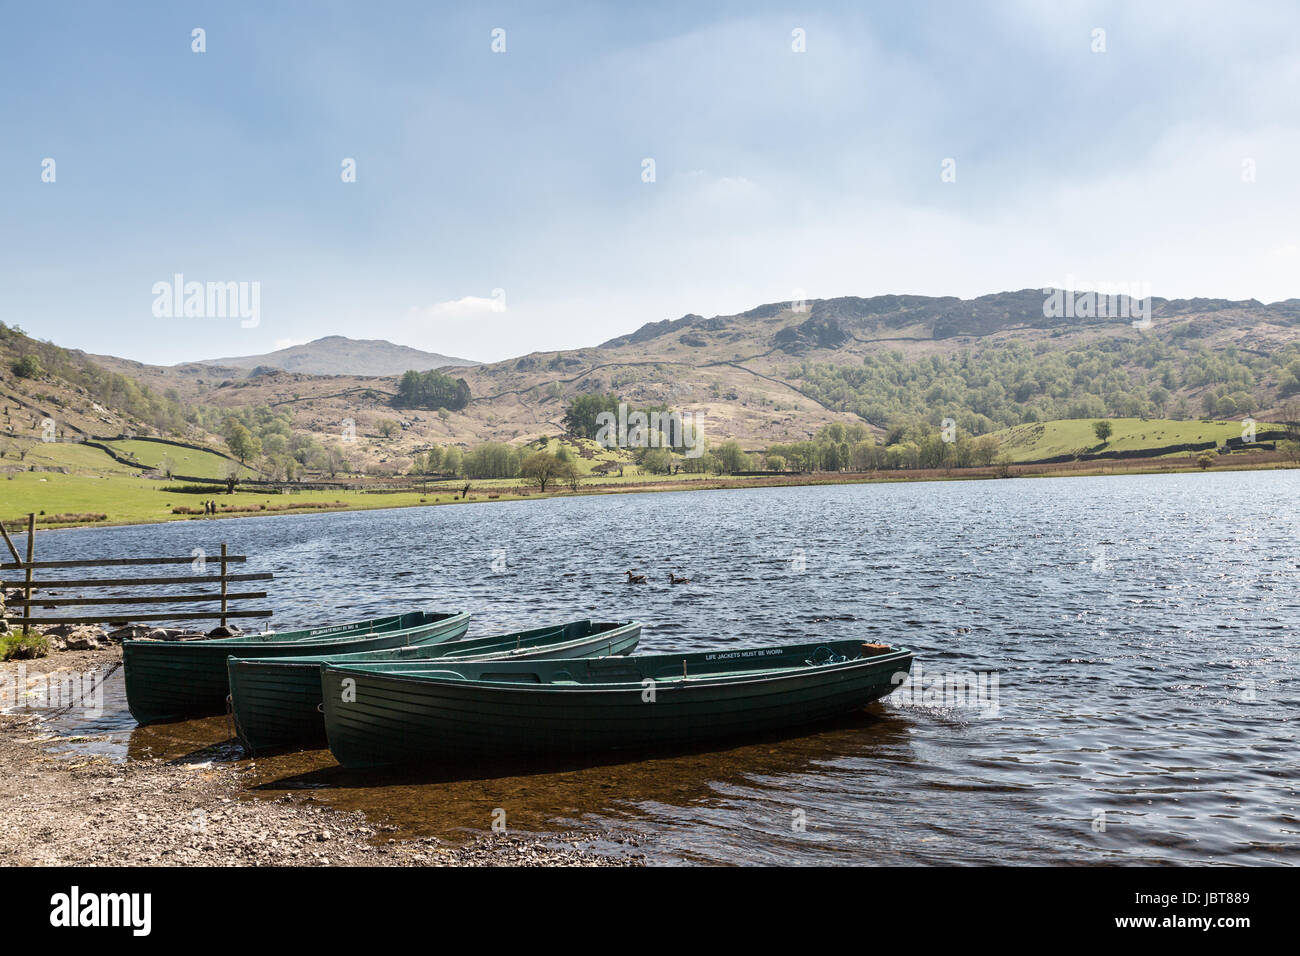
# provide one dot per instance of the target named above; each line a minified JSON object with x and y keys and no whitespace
{"x":113,"y":587}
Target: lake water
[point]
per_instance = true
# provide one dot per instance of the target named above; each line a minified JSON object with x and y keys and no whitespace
{"x":1144,"y":632}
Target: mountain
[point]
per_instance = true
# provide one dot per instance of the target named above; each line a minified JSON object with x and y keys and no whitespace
{"x":778,"y":372}
{"x":340,"y":355}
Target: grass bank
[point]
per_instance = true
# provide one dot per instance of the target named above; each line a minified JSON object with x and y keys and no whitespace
{"x":78,"y":500}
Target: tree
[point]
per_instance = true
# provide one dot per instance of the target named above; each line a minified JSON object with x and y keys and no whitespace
{"x":985,"y":450}
{"x":570,"y":475}
{"x":336,"y":461}
{"x":29,"y":366}
{"x":657,"y":461}
{"x":581,"y":414}
{"x":242,"y":443}
{"x":231,"y":477}
{"x":541,"y":468}
{"x":452,"y":461}
{"x":1103,"y":429}
{"x":1291,"y":425}
{"x":433,"y":460}
{"x":1205,"y":461}
{"x":388,"y":428}
{"x":275,"y":445}
{"x":492,"y":460}
{"x":731,"y":458}
{"x":432,"y":389}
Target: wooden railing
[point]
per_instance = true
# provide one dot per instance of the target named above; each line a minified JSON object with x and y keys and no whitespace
{"x":29,"y":584}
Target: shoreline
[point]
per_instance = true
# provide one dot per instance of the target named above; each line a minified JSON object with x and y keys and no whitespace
{"x":74,"y":809}
{"x":1139,"y":466}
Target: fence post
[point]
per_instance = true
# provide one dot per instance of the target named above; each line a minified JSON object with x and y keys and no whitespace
{"x":27,"y":581}
{"x":223,"y":584}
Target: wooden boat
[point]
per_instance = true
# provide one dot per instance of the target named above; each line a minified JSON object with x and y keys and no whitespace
{"x":169,"y":680}
{"x":276,"y":701}
{"x":456,"y":710}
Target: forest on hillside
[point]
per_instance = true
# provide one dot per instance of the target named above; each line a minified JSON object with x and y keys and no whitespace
{"x":1013,"y":384}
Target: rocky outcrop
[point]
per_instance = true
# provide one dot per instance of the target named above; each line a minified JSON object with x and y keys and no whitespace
{"x":92,"y":637}
{"x":816,"y":333}
{"x":76,"y":637}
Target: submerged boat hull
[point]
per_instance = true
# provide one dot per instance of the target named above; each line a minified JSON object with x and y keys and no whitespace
{"x":386,"y":719}
{"x":276,"y":703}
{"x":173,"y":680}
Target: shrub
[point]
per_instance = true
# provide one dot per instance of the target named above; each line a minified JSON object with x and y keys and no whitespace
{"x":29,"y":366}
{"x":23,"y":647}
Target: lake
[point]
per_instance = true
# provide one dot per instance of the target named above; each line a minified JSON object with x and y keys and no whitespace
{"x":1136,"y":640}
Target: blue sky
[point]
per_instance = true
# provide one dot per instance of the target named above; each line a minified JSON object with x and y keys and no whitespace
{"x":521,"y":171}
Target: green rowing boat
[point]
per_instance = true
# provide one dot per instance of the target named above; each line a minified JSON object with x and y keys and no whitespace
{"x":448,"y":711}
{"x":170,"y":680}
{"x":276,"y":701}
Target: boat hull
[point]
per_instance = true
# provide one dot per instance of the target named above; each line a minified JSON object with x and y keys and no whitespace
{"x":387,"y":719}
{"x":175,"y":680}
{"x":276,"y":703}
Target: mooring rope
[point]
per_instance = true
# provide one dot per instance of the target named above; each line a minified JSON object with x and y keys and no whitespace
{"x":63,"y":710}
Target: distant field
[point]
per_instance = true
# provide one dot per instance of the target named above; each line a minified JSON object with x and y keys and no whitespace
{"x":185,"y":461}
{"x":127,"y":499}
{"x":75,"y":456}
{"x":1071,"y":436}
{"x":98,"y":485}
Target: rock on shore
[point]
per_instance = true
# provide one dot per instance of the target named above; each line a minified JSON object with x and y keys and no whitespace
{"x":60,"y":809}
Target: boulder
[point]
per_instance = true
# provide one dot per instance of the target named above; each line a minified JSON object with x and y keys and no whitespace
{"x":83,"y":638}
{"x":174,"y":634}
{"x":128,"y":632}
{"x":74,"y":637}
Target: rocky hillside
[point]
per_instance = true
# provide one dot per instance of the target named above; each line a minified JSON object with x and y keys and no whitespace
{"x":777,"y":373}
{"x":47,"y":390}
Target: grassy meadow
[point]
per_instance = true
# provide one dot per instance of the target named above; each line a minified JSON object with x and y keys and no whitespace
{"x":90,"y":488}
{"x":1070,"y":436}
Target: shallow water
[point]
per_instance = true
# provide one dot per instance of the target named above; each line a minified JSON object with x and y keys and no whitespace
{"x":1143,"y":631}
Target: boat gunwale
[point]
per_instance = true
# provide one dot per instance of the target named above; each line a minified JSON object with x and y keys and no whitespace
{"x":664,"y":683}
{"x":487,"y":656}
{"x":340,"y":638}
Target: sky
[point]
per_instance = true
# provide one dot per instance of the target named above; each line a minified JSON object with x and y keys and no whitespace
{"x":503,"y":202}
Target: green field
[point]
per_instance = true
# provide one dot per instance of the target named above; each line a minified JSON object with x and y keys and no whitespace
{"x":184,"y":461}
{"x":131,"y":500}
{"x":1075,"y":436}
{"x":76,"y":457}
{"x":98,"y":486}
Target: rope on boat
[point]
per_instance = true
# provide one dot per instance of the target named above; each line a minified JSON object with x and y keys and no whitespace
{"x":832,"y":659}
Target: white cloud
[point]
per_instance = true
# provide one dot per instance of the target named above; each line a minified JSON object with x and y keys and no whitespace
{"x":465,"y":307}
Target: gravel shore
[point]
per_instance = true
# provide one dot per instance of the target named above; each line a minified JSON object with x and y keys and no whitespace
{"x":71,"y":809}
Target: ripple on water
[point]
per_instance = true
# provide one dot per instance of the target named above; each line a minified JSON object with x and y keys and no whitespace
{"x":1146,"y":652}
